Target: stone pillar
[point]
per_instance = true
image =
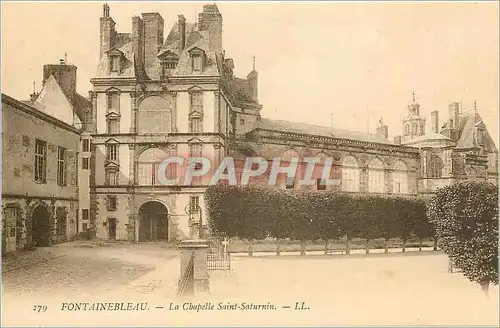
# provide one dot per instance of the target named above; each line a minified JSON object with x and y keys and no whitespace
{"x":200,"y":273}
{"x":173,"y":117}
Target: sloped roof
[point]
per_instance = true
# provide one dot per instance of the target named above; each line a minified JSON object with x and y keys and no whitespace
{"x":435,"y":140}
{"x":243,"y":90}
{"x":123,"y":43}
{"x":53,"y":101}
{"x":287,"y":126}
{"x":467,"y":135}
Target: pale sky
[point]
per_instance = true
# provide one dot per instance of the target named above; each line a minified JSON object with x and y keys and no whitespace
{"x":313,"y":59}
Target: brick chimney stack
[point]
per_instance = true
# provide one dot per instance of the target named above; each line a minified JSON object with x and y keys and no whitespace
{"x":65,"y":76}
{"x":138,"y":41}
{"x":182,"y":32}
{"x":107,"y":31}
{"x":211,"y":20}
{"x":153,"y":37}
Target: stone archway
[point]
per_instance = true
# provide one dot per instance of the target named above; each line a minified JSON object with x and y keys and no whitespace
{"x":40,"y":226}
{"x":153,"y":222}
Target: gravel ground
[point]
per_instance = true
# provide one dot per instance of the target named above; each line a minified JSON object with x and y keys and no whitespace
{"x":397,"y":289}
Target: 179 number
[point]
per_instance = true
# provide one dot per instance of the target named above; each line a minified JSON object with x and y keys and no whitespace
{"x":39,"y":308}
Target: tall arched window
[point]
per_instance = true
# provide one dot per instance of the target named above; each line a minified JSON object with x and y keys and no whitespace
{"x":376,"y":176}
{"x":350,"y":174}
{"x":154,"y":115}
{"x":436,"y":167}
{"x":400,"y":178}
{"x":148,"y":164}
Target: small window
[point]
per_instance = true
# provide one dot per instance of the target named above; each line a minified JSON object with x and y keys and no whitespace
{"x":86,"y":163}
{"x":196,"y":101}
{"x":194,"y":204}
{"x":113,"y":127}
{"x":112,"y":203}
{"x":61,"y":166}
{"x":290,"y":183}
{"x":40,"y":161}
{"x":113,"y":102}
{"x":320,"y":184}
{"x":112,"y":177}
{"x":115,"y":63}
{"x":26,"y":141}
{"x":86,"y":145}
{"x":242,"y":121}
{"x":112,"y":152}
{"x":197,"y":62}
{"x":85,"y":214}
{"x":195,"y":125}
{"x":85,"y":227}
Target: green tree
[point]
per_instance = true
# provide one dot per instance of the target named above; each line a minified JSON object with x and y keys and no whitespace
{"x":465,"y":217}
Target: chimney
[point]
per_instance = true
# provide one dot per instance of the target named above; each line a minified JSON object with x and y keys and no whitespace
{"x":182,"y":32}
{"x":34,"y":95}
{"x":211,"y":20}
{"x":253,"y":78}
{"x":153,"y":37}
{"x":435,"y":121}
{"x":65,"y":76}
{"x":107,"y":31}
{"x":382,"y":129}
{"x":138,"y":41}
{"x":397,"y":140}
{"x":454,"y":112}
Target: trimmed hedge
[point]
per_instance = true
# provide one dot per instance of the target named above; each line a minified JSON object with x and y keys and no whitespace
{"x":465,"y":216}
{"x":253,"y":213}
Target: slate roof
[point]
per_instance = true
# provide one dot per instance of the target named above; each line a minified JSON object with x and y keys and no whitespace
{"x":308,"y":129}
{"x":467,"y":136}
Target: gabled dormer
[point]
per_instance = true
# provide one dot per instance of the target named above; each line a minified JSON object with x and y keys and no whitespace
{"x":198,"y":59}
{"x":112,"y":155}
{"x":115,"y":60}
{"x":168,"y":62}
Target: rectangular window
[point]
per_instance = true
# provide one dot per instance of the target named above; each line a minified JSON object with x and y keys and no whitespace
{"x":85,"y":214}
{"x":85,"y":227}
{"x":40,"y":161}
{"x":77,"y":217}
{"x":195,"y":150}
{"x":85,"y":164}
{"x":112,"y":178}
{"x":113,"y":126}
{"x":112,"y":152}
{"x":86,"y":145}
{"x":195,"y":125}
{"x":290,"y":183}
{"x":194,"y":204}
{"x":320,"y":184}
{"x":26,"y":141}
{"x":242,"y":121}
{"x":197,"y":63}
{"x":77,"y":162}
{"x":115,"y":63}
{"x":61,"y":166}
{"x":196,"y":101}
{"x":114,"y":102}
{"x":112,"y":203}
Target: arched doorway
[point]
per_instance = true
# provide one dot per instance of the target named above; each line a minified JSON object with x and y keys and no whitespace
{"x":153,"y":221}
{"x":40,"y":226}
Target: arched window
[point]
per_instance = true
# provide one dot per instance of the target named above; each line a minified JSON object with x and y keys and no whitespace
{"x":148,"y":164}
{"x":436,"y":167}
{"x":400,"y":178}
{"x":350,"y":174}
{"x":376,"y":176}
{"x":407,"y":130}
{"x":154,"y":115}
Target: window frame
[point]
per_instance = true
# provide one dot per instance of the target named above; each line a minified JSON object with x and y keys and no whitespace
{"x":40,"y":161}
{"x":61,"y":166}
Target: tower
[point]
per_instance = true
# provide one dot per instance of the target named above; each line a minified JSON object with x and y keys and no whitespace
{"x":413,"y":124}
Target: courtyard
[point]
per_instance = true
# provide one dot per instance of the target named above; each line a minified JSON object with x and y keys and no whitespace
{"x":414,"y":288}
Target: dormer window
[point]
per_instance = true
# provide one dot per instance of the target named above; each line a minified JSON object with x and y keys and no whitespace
{"x":167,"y":67}
{"x":115,"y":64}
{"x":480,"y":135}
{"x":115,"y":60}
{"x":197,"y":59}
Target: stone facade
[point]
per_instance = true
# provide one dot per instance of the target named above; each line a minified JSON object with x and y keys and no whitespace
{"x":24,"y":190}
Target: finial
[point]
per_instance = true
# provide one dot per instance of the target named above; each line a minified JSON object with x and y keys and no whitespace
{"x":413,"y":96}
{"x":33,"y":86}
{"x":105,"y":10}
{"x":254,"y":63}
{"x":381,"y":122}
{"x":65,"y":57}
